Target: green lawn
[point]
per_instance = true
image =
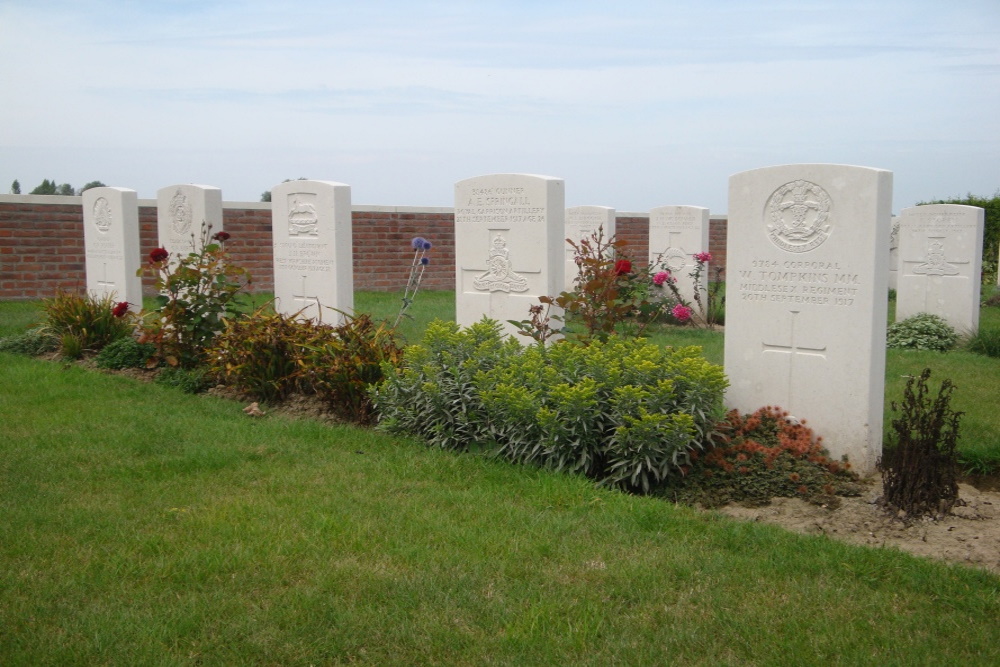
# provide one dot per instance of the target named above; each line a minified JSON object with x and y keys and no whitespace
{"x":145,"y":526}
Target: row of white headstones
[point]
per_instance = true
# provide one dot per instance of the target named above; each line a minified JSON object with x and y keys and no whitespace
{"x":807,"y":270}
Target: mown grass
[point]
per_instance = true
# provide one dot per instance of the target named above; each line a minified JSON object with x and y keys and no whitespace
{"x":145,"y":526}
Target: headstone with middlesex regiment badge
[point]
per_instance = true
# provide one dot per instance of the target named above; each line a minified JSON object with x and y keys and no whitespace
{"x":806,"y":302}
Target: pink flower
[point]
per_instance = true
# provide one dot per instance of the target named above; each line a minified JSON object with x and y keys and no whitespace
{"x":681,"y":313}
{"x":661,"y":277}
{"x":703,"y":257}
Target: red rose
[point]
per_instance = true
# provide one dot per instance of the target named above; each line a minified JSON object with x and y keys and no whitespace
{"x":221,"y":236}
{"x":120,"y":309}
{"x":623,"y":266}
{"x":158,"y":255}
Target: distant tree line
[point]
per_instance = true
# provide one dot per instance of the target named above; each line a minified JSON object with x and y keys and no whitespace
{"x":48,"y":187}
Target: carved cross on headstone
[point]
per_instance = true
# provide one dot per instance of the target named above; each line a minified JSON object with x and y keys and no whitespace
{"x":107,"y":285}
{"x":482,"y":272}
{"x":304,"y":303}
{"x":933,"y":263}
{"x":794,"y":349}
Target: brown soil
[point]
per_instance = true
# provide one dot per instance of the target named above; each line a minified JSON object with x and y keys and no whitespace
{"x":969,"y":535}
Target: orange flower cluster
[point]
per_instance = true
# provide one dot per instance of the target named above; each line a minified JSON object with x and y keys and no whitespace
{"x":767,"y":433}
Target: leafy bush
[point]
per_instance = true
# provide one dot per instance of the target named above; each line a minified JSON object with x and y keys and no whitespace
{"x":342,"y":368}
{"x":625,"y":412}
{"x":432,"y":394}
{"x":188,"y":380}
{"x":194,"y":293}
{"x":268,"y":355}
{"x":32,"y":342}
{"x":258,"y":354}
{"x":764,"y":455}
{"x":923,"y":331}
{"x":85,"y":323}
{"x":985,"y":341}
{"x":125,"y":352}
{"x":919,"y":465}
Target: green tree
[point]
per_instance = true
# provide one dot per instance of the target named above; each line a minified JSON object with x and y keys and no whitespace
{"x":92,"y":184}
{"x":15,"y":187}
{"x":46,"y":188}
{"x":266,"y":195}
{"x":66,"y":190}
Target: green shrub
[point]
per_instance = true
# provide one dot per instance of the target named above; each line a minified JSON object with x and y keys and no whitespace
{"x":188,"y":380}
{"x":85,"y":323}
{"x":625,"y":412}
{"x":31,"y":343}
{"x":341,"y":368}
{"x":125,"y":352}
{"x":258,"y":354}
{"x":923,"y":331}
{"x":985,"y":341}
{"x":764,"y":455}
{"x":268,"y":355}
{"x":432,"y":394}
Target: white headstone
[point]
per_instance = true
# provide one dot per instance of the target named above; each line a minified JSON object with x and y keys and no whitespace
{"x":676,"y":234}
{"x":581,"y":223}
{"x":807,"y":294}
{"x":894,"y":254}
{"x":941,"y":252}
{"x":181,"y":212}
{"x":509,"y":238}
{"x":111,"y":244}
{"x":313,"y":249}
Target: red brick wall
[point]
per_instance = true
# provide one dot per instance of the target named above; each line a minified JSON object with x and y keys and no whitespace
{"x":41,"y":244}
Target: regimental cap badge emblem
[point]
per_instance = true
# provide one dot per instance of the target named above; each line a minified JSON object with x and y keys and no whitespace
{"x":180,"y":213}
{"x":936,"y":263}
{"x":798,"y":216}
{"x":102,"y":214}
{"x":501,"y":276}
{"x":302,"y":217}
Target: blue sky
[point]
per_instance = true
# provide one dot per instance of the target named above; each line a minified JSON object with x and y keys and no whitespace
{"x":634,"y":104}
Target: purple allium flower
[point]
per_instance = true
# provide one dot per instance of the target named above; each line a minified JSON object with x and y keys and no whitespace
{"x":418,"y":243}
{"x":425,"y":260}
{"x":427,"y":245}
